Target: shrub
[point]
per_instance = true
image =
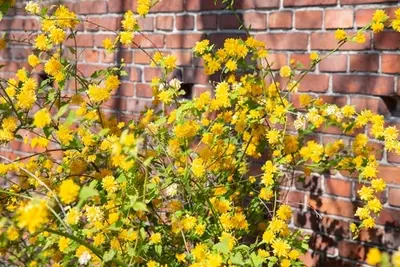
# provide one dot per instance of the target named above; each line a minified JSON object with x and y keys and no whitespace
{"x":174,"y":187}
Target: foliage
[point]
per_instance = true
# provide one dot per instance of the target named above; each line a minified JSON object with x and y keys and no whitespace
{"x":173,"y":188}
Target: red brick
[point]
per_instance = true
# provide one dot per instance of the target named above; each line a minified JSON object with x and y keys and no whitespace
{"x":165,"y":6}
{"x":255,"y":20}
{"x":394,"y":197}
{"x":197,"y":5}
{"x":308,"y":19}
{"x":110,"y":23}
{"x":92,"y":7}
{"x":282,"y":20}
{"x":352,"y":250}
{"x":393,"y":157}
{"x":389,"y":216}
{"x":332,"y":206}
{"x":364,"y":62}
{"x":334,"y":63}
{"x":228,"y":21}
{"x":146,"y":24}
{"x":375,"y":104}
{"x":301,"y":59}
{"x":149,"y":40}
{"x":195,"y":75}
{"x":314,"y":83}
{"x":135,"y":74}
{"x":183,"y":58}
{"x":141,"y":57}
{"x":91,"y":55}
{"x":390,"y":63}
{"x":310,"y":183}
{"x":387,"y":41}
{"x":308,"y":2}
{"x":126,"y":89}
{"x":185,"y":22}
{"x":276,"y":60}
{"x":285,"y":41}
{"x":339,"y":18}
{"x":390,"y":174}
{"x":338,"y":187}
{"x":254,"y":4}
{"x":362,"y":84}
{"x":207,"y":22}
{"x":357,"y":2}
{"x":364,"y":16}
{"x":143,"y":90}
{"x":82,"y":40}
{"x":182,"y":40}
{"x":330,"y":226}
{"x":327,"y":41}
{"x":150,"y":73}
{"x":340,"y":101}
{"x":165,"y":23}
{"x":118,"y":6}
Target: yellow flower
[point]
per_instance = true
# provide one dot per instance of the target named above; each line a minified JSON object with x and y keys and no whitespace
{"x":340,"y":35}
{"x":41,"y":42}
{"x":143,"y":7}
{"x":374,"y":205}
{"x":360,"y":37}
{"x":112,"y":82}
{"x":396,"y":258}
{"x":64,"y":134}
{"x":268,"y":237}
{"x":155,"y":238}
{"x":377,"y":27}
{"x":108,"y":45}
{"x":181,"y":257}
{"x":98,"y":94}
{"x":42,"y":118}
{"x":266,"y":193}
{"x":273,"y":136}
{"x":69,"y":191}
{"x":379,"y":16}
{"x":63,"y":244}
{"x":314,"y":56}
{"x":231,"y":65}
{"x":285,"y":71}
{"x":200,"y":252}
{"x":281,"y":248}
{"x":3,"y":43}
{"x":170,"y":62}
{"x":378,"y":184}
{"x":12,"y":233}
{"x":126,"y":38}
{"x":284,"y":212}
{"x":201,"y":46}
{"x":129,"y":23}
{"x":33,"y":216}
{"x":53,"y":66}
{"x":32,"y":7}
{"x":57,"y":36}
{"x":33,"y":60}
{"x":109,"y":184}
{"x":72,"y":217}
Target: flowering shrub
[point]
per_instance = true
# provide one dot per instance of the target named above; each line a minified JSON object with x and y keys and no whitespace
{"x":173,"y":188}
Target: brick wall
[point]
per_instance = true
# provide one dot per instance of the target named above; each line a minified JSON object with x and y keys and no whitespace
{"x":365,"y":75}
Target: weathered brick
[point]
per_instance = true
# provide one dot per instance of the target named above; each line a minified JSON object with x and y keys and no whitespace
{"x":375,"y":104}
{"x":338,"y":187}
{"x":357,"y":2}
{"x":228,"y":21}
{"x":332,"y":206}
{"x":185,"y":22}
{"x":339,"y":18}
{"x":255,"y":20}
{"x":282,"y":20}
{"x":327,"y":41}
{"x":334,"y":63}
{"x":387,"y":41}
{"x":309,"y":19}
{"x":207,"y":22}
{"x":92,"y":7}
{"x":390,"y":63}
{"x":364,"y":62}
{"x":308,"y":2}
{"x":363,"y":84}
{"x":285,"y":41}
{"x":182,"y":40}
{"x":364,"y":16}
{"x":165,"y":23}
{"x":394,"y":197}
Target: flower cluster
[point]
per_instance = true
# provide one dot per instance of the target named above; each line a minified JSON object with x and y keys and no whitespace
{"x":173,"y":188}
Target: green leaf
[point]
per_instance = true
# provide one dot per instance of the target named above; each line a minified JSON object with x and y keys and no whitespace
{"x":86,"y":193}
{"x":158,"y":249}
{"x":222,"y":247}
{"x":140,"y":206}
{"x":108,"y":255}
{"x":237,"y":259}
{"x":61,"y":112}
